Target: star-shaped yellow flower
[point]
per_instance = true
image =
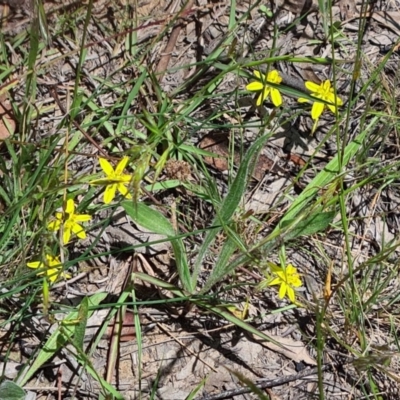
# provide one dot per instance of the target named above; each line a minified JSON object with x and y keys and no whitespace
{"x":69,"y":220}
{"x":325,"y":92}
{"x":261,"y":84}
{"x":287,"y":278}
{"x":53,"y":268}
{"x":115,"y":180}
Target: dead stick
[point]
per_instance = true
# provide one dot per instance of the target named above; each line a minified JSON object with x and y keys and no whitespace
{"x":165,"y":58}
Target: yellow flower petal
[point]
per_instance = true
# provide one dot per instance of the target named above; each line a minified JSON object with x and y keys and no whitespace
{"x":254,"y":86}
{"x":121,"y":165}
{"x":35,"y":264}
{"x":290,"y":269}
{"x":282,"y":291}
{"x":302,"y":100}
{"x":109,"y":193}
{"x":82,"y":217}
{"x":66,"y":235}
{"x":125,"y":178}
{"x":317,"y":110}
{"x":52,"y":269}
{"x":124,"y":191}
{"x":52,"y":261}
{"x":332,"y":108}
{"x":276,"y":281}
{"x":54,"y":225}
{"x":106,"y":166}
{"x":332,"y":99}
{"x":257,"y":74}
{"x":70,"y":207}
{"x":326,"y":86}
{"x":290,"y":294}
{"x":313,"y":87}
{"x":79,"y":231}
{"x":276,"y":97}
{"x":264,"y":95}
{"x":52,"y":274}
{"x":274,"y":77}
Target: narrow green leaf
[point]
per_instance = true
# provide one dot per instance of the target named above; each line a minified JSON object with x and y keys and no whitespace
{"x":221,"y":267}
{"x":196,"y":390}
{"x":231,"y":201}
{"x":330,"y":172}
{"x":149,"y":218}
{"x":79,"y":337}
{"x":215,"y":309}
{"x":57,"y":340}
{"x":128,"y":103}
{"x":238,"y":322}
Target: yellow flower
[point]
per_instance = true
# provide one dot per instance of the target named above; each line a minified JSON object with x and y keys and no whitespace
{"x":70,"y":224}
{"x":262,"y":85}
{"x":325,"y":92}
{"x":287,"y":278}
{"x":115,"y":180}
{"x":53,"y":268}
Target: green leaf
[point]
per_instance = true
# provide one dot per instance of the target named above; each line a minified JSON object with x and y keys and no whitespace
{"x":328,"y":174}
{"x":197,"y":389}
{"x":221,"y":267}
{"x":312,"y":224}
{"x":79,"y":337}
{"x":295,"y":214}
{"x":57,"y":340}
{"x":11,"y":391}
{"x":154,"y":221}
{"x":132,"y":95}
{"x":230,"y":203}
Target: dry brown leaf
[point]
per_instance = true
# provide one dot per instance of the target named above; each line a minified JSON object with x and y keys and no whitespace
{"x":7,"y":121}
{"x":328,"y":282}
{"x":298,"y":6}
{"x":347,"y":9}
{"x":218,"y":143}
{"x":388,"y":19}
{"x":292,"y":349}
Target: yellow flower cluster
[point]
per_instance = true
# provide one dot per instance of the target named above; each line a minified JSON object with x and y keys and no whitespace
{"x":324,"y":91}
{"x":68,"y":222}
{"x":287,"y":278}
{"x":52,"y":268}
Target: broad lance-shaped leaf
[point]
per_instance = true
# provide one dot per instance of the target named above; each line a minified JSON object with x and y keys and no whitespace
{"x":11,"y":391}
{"x":314,"y":223}
{"x":155,"y":222}
{"x":231,"y":201}
{"x":79,"y":336}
